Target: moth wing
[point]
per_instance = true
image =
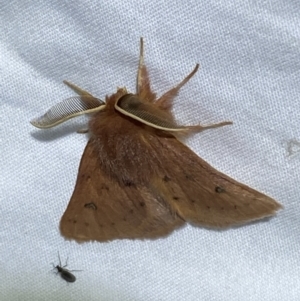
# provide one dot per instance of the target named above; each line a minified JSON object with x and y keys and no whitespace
{"x":101,"y":209}
{"x":204,"y":196}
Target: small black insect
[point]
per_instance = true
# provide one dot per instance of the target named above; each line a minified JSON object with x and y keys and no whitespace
{"x":65,"y":273}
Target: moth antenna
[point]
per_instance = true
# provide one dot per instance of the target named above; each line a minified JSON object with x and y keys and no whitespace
{"x":200,"y":128}
{"x":67,"y":109}
{"x":131,"y":106}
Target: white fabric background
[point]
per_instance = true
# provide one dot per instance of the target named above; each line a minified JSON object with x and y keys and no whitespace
{"x":249,"y":52}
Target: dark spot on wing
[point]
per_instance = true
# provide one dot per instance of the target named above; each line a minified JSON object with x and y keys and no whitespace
{"x":166,"y":179}
{"x":85,"y":176}
{"x":176,"y":198}
{"x":128,"y":183}
{"x":189,"y":177}
{"x":105,"y":187}
{"x":90,"y":206}
{"x":219,"y":189}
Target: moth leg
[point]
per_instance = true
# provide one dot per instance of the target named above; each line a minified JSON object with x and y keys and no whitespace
{"x":200,"y":128}
{"x":78,"y":90}
{"x":165,"y":101}
{"x":143,"y":88}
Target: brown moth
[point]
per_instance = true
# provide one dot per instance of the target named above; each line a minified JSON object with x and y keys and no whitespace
{"x":136,"y":180}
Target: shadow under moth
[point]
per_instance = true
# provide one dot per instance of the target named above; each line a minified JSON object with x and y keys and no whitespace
{"x":136,"y":179}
